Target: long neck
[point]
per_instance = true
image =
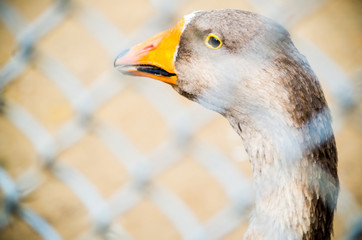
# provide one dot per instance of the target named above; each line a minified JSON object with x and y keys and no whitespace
{"x":295,"y":177}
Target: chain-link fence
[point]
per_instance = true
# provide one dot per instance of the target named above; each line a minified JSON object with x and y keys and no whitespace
{"x":87,"y":153}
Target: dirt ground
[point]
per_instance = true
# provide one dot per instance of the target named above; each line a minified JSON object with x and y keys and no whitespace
{"x":335,"y":28}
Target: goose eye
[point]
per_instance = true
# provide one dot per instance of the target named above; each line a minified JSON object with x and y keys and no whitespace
{"x":213,"y":41}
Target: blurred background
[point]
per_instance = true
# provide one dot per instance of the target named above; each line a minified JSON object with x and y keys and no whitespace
{"x":86,"y":153}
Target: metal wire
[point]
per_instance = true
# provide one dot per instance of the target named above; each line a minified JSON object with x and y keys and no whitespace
{"x":183,"y":121}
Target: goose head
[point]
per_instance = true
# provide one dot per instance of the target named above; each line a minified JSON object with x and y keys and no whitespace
{"x":245,"y":67}
{"x":209,"y":55}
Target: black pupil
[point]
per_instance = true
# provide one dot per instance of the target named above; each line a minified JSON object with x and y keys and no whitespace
{"x":214,"y":42}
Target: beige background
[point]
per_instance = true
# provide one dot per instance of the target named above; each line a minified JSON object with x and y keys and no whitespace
{"x":334,"y":27}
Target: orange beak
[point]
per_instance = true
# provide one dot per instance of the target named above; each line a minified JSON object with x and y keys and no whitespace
{"x":153,"y":58}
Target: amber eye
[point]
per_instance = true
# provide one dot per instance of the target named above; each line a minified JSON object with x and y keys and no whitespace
{"x":213,"y":41}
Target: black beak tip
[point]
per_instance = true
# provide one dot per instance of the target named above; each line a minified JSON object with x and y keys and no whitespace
{"x":124,"y":52}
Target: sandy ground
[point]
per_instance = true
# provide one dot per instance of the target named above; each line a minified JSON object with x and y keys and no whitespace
{"x":335,"y":28}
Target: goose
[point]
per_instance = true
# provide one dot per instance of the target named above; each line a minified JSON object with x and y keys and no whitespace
{"x":245,"y":67}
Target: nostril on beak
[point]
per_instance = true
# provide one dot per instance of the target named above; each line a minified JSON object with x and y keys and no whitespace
{"x":124,"y":52}
{"x":148,"y":47}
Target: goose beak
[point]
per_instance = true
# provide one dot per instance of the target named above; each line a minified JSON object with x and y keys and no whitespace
{"x":154,"y":57}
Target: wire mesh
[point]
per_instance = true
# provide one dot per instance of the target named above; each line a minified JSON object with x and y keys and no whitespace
{"x":90,"y":154}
